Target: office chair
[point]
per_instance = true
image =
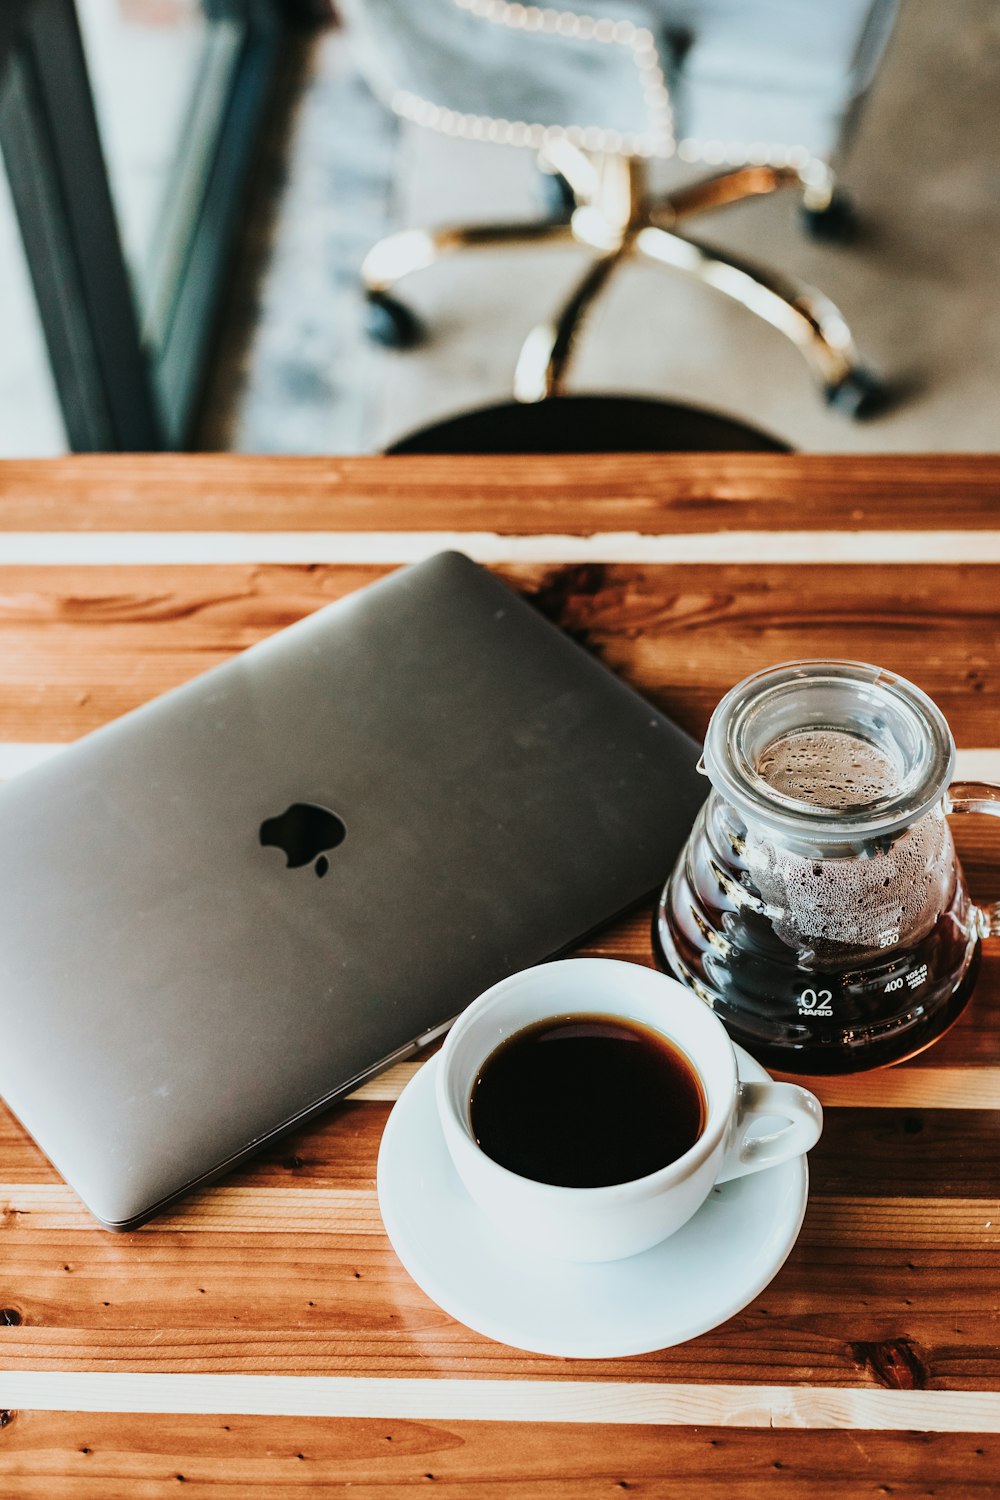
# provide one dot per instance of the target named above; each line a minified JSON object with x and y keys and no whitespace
{"x":765,"y":91}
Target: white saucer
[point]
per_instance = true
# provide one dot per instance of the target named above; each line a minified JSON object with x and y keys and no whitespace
{"x":698,"y":1278}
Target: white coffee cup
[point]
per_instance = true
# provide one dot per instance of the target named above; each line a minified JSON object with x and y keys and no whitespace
{"x":609,"y":1223}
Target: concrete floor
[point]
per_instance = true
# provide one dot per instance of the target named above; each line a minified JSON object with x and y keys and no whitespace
{"x":921,"y":288}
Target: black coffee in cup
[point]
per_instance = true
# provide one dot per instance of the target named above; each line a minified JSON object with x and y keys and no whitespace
{"x":586,"y":1101}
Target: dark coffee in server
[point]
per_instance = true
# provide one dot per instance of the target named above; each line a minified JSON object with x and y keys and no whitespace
{"x":818,"y":905}
{"x":586,"y":1101}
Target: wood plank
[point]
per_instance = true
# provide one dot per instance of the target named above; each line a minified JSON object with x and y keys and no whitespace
{"x":923,"y":1222}
{"x":865,"y":1151}
{"x":885,"y":1313}
{"x":312,"y":1287}
{"x":81,"y":646}
{"x":567,"y":1401}
{"x":920,"y":1223}
{"x":910,"y":1088}
{"x":621,"y":492}
{"x":923,"y":1337}
{"x":319,"y":1155}
{"x":48,"y":1235}
{"x":111,"y":1456}
{"x":902,"y":1153}
{"x":286,"y":1210}
{"x":927,"y":1137}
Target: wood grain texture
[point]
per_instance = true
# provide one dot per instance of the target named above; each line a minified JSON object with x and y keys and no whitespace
{"x":96,"y":1456}
{"x":901,"y":1342}
{"x":79,"y":646}
{"x":634,"y":1403}
{"x":871,"y":1152}
{"x":924,"y":1223}
{"x":605,"y":492}
{"x":885,"y":1316}
{"x":284,"y":1267}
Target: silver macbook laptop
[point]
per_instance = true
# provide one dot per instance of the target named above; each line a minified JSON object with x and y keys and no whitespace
{"x":224,"y":911}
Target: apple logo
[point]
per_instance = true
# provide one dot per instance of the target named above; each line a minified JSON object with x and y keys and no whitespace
{"x":304,"y":831}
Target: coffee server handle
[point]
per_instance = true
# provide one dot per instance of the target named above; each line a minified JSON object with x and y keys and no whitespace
{"x":978,"y":797}
{"x":801,"y":1119}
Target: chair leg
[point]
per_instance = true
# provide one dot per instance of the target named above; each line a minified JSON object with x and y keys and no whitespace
{"x":801,"y":313}
{"x":408,"y":250}
{"x":719,"y":191}
{"x":577,"y":172}
{"x":545,"y":353}
{"x":390,"y":321}
{"x":609,"y":192}
{"x":826,"y":211}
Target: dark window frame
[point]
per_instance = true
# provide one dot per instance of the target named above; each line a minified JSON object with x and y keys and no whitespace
{"x":117,"y":391}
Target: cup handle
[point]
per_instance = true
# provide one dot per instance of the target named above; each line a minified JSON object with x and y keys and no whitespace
{"x":801,"y":1113}
{"x":978,"y":797}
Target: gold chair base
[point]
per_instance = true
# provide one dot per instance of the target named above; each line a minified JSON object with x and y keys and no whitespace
{"x":615,"y":220}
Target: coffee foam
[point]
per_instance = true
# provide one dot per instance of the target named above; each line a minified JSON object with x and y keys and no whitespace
{"x":828,"y":768}
{"x":887,"y":893}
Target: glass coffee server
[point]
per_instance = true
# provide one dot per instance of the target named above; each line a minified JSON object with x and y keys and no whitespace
{"x":126,"y":132}
{"x":818,"y":905}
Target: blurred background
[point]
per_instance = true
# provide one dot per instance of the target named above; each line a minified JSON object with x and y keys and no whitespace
{"x":190,"y":188}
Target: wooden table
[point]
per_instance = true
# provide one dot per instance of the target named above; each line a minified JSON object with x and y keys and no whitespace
{"x":262,"y":1339}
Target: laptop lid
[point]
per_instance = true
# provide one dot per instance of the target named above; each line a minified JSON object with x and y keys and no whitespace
{"x":223,"y":911}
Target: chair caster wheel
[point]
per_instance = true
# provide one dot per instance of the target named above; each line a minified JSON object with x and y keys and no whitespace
{"x":557,"y":196}
{"x":391,"y":323}
{"x":837,"y":224}
{"x":859,"y":395}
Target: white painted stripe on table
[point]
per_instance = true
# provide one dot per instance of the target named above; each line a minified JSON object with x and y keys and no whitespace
{"x":907,"y":1088}
{"x":633,"y":1402}
{"x":978,"y":765}
{"x":23,"y":755}
{"x":264,"y":1209}
{"x":90,"y":548}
